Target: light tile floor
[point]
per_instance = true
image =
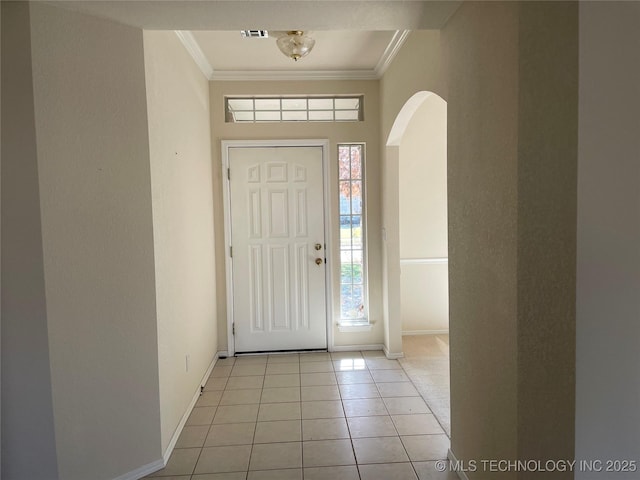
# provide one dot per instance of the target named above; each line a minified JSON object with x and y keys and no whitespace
{"x":315,"y":416}
{"x":426,"y":362}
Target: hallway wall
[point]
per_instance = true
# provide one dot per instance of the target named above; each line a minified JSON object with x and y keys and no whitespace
{"x":512,"y":176}
{"x":80,"y":288}
{"x":482,"y":177}
{"x":183,"y":236}
{"x":608,"y":305}
{"x":97,"y":231}
{"x":510,"y":82}
{"x":512,"y":169}
{"x":547,"y":178}
{"x":27,"y":404}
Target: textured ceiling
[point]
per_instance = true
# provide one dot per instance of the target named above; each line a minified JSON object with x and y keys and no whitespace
{"x":354,"y":39}
{"x":274,"y":15}
{"x":340,"y":51}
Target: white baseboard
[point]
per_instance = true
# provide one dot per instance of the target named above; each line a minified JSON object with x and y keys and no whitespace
{"x":142,"y":471}
{"x":183,"y":420}
{"x":355,"y":348}
{"x":425,"y":332}
{"x":453,"y":459}
{"x":223,"y":354}
{"x":149,"y":468}
{"x":392,"y":356}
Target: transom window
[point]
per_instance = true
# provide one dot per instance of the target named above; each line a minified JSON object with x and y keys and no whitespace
{"x":353,"y":303}
{"x":294,"y":109}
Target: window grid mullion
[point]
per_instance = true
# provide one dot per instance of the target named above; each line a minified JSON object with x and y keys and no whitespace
{"x":321,"y":114}
{"x":354,"y":311}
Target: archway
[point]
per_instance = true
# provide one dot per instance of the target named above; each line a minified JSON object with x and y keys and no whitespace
{"x":422,"y":206}
{"x":419,"y":141}
{"x":415,"y":221}
{"x":415,"y":263}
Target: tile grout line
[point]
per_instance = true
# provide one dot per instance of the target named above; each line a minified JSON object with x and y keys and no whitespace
{"x":342,"y":403}
{"x":424,"y":400}
{"x":389,"y":413}
{"x":255,"y":428}
{"x":353,"y":448}
{"x":193,"y":472}
{"x":394,"y":423}
{"x":301,"y":420}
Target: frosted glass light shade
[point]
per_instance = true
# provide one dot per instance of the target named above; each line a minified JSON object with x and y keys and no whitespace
{"x":295,"y":44}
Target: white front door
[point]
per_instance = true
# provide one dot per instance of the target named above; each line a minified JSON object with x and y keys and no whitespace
{"x":277,"y":237}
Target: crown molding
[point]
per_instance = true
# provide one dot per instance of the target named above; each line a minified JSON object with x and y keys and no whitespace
{"x":192,"y":46}
{"x":391,"y":51}
{"x":283,"y":75}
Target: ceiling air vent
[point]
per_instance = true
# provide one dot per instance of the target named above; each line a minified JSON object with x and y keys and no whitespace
{"x":254,"y":33}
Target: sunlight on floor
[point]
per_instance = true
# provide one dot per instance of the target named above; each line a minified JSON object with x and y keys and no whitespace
{"x":317,"y":416}
{"x":426,"y":361}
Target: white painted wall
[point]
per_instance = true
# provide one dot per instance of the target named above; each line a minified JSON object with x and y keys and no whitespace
{"x":182,"y":193}
{"x":424,"y":298}
{"x":608,"y":257}
{"x":97,"y":240}
{"x":423,"y":219}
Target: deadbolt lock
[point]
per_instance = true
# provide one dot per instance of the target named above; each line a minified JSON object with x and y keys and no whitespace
{"x":318,"y":246}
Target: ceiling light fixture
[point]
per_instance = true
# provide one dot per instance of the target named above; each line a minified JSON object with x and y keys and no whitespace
{"x":295,"y":44}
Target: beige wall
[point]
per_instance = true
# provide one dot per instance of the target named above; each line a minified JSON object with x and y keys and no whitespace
{"x":482,"y":192}
{"x":85,"y":199}
{"x":27,"y":405}
{"x":423,"y":180}
{"x":608,"y":305}
{"x":182,"y":195}
{"x":511,"y":80}
{"x":511,"y":177}
{"x":366,"y":131}
{"x":423,"y":219}
{"x":547,"y":176}
{"x":416,"y":68}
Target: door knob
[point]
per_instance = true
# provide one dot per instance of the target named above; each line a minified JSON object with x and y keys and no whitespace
{"x":318,"y":246}
{"x":318,"y":261}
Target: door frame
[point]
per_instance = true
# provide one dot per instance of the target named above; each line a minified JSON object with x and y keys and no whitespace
{"x":328,"y":233}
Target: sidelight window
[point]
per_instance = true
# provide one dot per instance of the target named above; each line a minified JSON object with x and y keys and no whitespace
{"x":353,"y":275}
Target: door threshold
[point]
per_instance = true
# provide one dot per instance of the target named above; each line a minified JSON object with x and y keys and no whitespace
{"x":280,"y":352}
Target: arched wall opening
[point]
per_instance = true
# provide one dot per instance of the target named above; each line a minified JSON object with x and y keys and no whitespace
{"x":415,"y":265}
{"x":415,"y":221}
{"x":422,"y":206}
